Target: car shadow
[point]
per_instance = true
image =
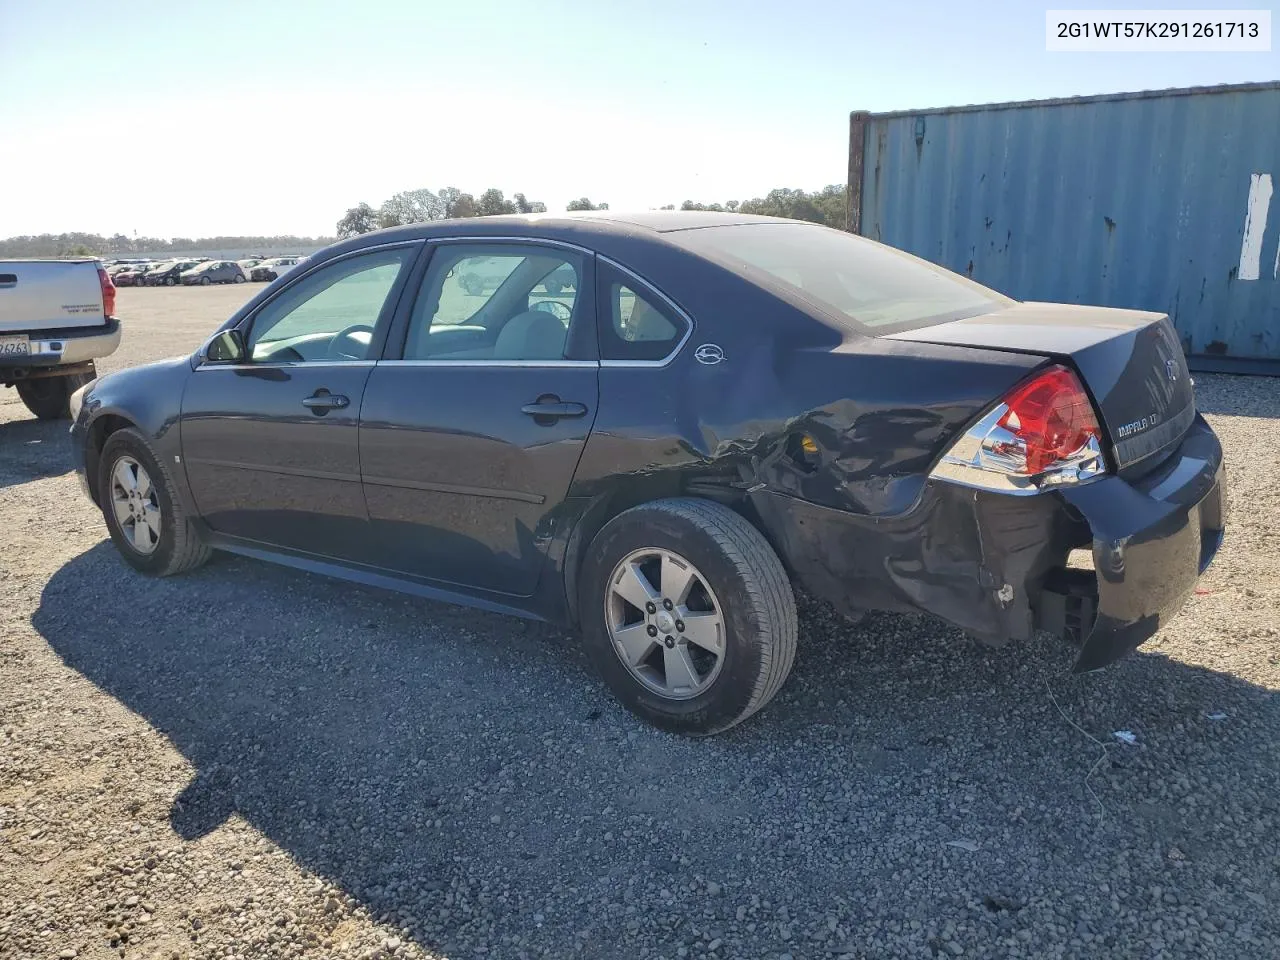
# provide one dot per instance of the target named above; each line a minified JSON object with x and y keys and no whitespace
{"x":33,"y":449}
{"x":419,"y":755}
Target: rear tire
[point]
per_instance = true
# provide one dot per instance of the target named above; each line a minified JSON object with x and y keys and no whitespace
{"x":205,"y":281}
{"x":49,"y":398}
{"x":738,"y":575}
{"x":178,"y":547}
{"x":239,"y":278}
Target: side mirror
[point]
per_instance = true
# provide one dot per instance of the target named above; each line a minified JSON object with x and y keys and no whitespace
{"x":226,"y":347}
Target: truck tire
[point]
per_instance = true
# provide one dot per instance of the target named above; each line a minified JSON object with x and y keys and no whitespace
{"x":49,"y":398}
{"x":688,"y":614}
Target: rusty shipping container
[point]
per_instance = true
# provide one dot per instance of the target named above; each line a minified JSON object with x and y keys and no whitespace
{"x":1160,"y":200}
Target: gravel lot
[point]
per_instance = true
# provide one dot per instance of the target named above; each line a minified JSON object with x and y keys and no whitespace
{"x":253,"y":762}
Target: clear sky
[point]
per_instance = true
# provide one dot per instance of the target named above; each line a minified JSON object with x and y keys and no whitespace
{"x":195,"y":119}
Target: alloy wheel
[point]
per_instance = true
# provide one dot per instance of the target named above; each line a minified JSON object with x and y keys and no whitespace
{"x":665,"y":623}
{"x":135,"y":504}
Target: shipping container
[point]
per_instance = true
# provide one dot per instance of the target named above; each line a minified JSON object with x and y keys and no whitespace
{"x":1159,"y":200}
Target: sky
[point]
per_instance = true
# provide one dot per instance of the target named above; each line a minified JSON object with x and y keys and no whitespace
{"x":247,"y":118}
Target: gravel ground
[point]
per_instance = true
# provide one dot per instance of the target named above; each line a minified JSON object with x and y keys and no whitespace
{"x":253,"y":762}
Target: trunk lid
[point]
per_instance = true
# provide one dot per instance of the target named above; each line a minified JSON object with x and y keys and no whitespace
{"x":1130,"y":360}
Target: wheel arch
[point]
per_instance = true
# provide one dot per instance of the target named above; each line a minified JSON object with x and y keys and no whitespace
{"x":99,"y":430}
{"x":605,"y":507}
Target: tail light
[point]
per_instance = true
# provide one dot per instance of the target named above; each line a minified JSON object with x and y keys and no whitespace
{"x":108,"y":293}
{"x":1043,"y":433}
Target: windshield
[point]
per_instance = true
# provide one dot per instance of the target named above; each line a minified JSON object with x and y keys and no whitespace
{"x":877,"y":289}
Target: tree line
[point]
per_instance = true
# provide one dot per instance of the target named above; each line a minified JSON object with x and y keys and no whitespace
{"x":825,"y":206}
{"x":118,"y":245}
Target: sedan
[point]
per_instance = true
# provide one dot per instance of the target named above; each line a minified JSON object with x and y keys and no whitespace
{"x":130,"y":276}
{"x":715,"y":410}
{"x":213,"y":271}
{"x":268,"y":270}
{"x":167,"y":274}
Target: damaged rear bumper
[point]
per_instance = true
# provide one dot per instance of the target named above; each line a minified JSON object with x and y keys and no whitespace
{"x":997,"y":565}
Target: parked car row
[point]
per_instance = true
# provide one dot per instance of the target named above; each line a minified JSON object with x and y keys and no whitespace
{"x":201,"y":271}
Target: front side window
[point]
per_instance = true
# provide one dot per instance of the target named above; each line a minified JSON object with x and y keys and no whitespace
{"x":636,"y":324}
{"x":865,"y":286}
{"x":330,"y":315}
{"x":501,"y":302}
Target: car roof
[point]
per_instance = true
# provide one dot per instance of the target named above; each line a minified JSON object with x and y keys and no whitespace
{"x":619,"y":235}
{"x":564,"y":226}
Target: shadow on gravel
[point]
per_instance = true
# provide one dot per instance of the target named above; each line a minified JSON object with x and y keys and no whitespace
{"x":33,"y":449}
{"x":466,"y":777}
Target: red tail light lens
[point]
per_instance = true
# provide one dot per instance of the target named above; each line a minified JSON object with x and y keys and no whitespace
{"x":108,"y":293}
{"x":1042,"y":434}
{"x":1050,"y":418}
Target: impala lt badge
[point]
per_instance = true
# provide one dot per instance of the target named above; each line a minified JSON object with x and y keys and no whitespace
{"x":1129,"y":429}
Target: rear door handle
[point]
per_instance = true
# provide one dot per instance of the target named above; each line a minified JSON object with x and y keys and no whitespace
{"x":554,"y":409}
{"x":323,"y":401}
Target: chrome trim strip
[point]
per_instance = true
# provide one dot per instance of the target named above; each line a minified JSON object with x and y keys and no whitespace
{"x":489,"y":363}
{"x":466,"y":491}
{"x":669,"y":302}
{"x":540,"y":241}
{"x":305,"y":364}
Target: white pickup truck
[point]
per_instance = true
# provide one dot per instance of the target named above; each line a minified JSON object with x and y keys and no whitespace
{"x":55,"y":320}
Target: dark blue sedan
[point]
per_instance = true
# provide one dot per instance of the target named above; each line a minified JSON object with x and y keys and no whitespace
{"x":651,"y":427}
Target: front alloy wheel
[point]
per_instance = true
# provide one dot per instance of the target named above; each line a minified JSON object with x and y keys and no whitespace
{"x":665,"y":623}
{"x":136,"y":506}
{"x":143,"y":509}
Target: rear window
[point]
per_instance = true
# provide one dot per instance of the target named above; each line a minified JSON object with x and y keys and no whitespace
{"x":866,"y":286}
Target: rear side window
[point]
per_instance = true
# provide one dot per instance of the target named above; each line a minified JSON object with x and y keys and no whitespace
{"x":869,"y":287}
{"x":635,"y":323}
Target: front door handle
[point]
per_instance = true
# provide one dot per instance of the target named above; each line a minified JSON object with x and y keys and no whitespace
{"x":322,"y":401}
{"x":554,"y":409}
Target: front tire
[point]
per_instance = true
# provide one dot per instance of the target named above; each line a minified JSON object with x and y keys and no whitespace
{"x":49,"y":398}
{"x":169,"y":281}
{"x":688,"y":615}
{"x":144,"y":514}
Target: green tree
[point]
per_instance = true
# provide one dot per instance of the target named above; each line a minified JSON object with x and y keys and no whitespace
{"x":493,"y":203}
{"x":528,"y":206}
{"x":584,"y":204}
{"x":410,"y":206}
{"x":359,"y":219}
{"x":456,"y":203}
{"x":825,"y":206}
